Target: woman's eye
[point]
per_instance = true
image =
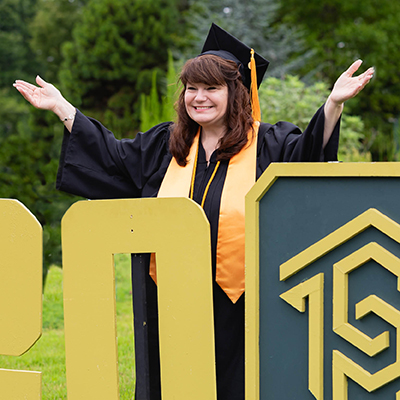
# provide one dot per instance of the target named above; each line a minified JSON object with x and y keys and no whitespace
{"x":190,"y":88}
{"x":211,"y":88}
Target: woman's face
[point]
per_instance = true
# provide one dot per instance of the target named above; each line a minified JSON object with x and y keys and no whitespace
{"x":207,"y":104}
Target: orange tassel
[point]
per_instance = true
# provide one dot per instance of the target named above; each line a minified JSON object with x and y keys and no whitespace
{"x":255,"y":103}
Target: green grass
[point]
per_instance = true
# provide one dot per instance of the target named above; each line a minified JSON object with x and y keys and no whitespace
{"x":48,"y":353}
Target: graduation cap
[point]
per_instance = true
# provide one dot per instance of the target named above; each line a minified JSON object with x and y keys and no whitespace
{"x":252,"y":66}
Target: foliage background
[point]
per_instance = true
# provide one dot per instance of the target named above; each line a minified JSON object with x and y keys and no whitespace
{"x":111,"y":58}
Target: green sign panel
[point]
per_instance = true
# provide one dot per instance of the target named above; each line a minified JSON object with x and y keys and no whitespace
{"x":322,"y":283}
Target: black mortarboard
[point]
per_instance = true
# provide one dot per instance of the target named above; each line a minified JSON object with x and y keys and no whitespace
{"x":221,"y":43}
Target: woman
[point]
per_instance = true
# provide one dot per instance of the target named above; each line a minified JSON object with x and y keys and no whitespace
{"x":218,"y":138}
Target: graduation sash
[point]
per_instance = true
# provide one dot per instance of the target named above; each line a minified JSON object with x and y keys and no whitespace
{"x":240,"y":177}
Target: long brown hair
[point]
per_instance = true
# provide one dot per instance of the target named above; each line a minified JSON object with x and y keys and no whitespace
{"x":213,"y":70}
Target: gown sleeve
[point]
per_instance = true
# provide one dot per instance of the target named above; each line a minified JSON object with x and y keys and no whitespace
{"x":96,"y":165}
{"x":284,"y":142}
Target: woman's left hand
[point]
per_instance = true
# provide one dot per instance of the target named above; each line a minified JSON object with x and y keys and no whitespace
{"x":348,"y":86}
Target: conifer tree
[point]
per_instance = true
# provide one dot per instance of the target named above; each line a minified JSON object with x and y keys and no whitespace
{"x":30,"y":139}
{"x":16,"y":57}
{"x":342,"y":31}
{"x":115,"y":49}
{"x":253,"y":23}
{"x":154,"y":108}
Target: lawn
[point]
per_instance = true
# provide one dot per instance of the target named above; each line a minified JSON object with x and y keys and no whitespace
{"x":48,"y":354}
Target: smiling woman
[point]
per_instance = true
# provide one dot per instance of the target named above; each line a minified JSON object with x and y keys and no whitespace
{"x":213,"y":154}
{"x":207,"y":105}
{"x":216,"y":83}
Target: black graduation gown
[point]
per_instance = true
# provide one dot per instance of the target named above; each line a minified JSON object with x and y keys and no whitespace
{"x":95,"y":165}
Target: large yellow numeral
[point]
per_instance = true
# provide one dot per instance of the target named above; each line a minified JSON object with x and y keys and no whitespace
{"x":343,"y":367}
{"x":313,"y":288}
{"x":20,"y":296}
{"x":178,"y":232}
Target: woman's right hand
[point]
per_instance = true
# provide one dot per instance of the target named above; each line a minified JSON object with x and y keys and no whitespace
{"x":45,"y":96}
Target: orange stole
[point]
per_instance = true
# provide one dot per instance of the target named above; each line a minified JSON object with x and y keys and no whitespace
{"x":240,"y":177}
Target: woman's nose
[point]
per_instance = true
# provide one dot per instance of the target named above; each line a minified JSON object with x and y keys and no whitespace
{"x":201,"y":95}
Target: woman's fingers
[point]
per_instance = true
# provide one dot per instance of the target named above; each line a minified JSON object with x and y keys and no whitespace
{"x":361,"y":79}
{"x":30,"y":92}
{"x":353,"y":67}
{"x":369,"y":73}
{"x":24,"y":85}
{"x":348,"y":86}
{"x":25,"y":89}
{"x":43,"y":95}
{"x":41,"y":82}
{"x":365,"y":77}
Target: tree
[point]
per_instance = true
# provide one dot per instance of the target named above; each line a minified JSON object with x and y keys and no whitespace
{"x":29,"y":150}
{"x":30,"y":139}
{"x":292,"y":100}
{"x":49,"y":28}
{"x":341,"y":31}
{"x":115,"y":49}
{"x":16,"y":57}
{"x":253,"y":23}
{"x":153,"y":109}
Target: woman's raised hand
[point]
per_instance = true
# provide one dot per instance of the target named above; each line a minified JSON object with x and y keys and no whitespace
{"x":348,"y":86}
{"x":45,"y":96}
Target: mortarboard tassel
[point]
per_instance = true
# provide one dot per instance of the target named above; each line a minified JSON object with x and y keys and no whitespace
{"x":255,"y":103}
